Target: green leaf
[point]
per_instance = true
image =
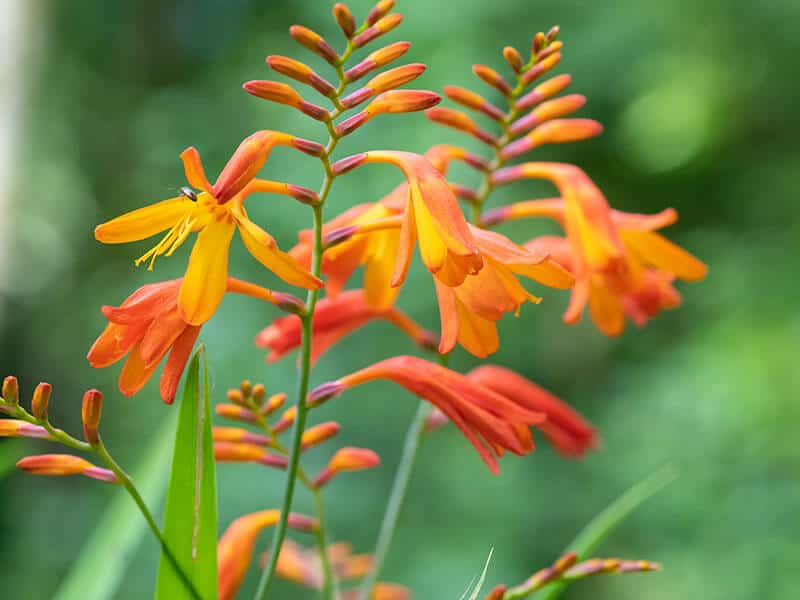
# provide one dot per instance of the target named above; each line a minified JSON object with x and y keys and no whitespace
{"x":477,"y":589}
{"x":610,"y":518}
{"x":106,"y":556}
{"x":190,"y":522}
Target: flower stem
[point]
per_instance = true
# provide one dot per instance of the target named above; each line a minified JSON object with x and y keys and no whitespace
{"x":329,"y":589}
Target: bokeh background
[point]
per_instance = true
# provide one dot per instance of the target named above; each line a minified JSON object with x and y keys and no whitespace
{"x":699,"y":100}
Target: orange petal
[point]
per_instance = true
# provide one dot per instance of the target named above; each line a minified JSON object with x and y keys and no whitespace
{"x":134,"y":373}
{"x":659,"y":252}
{"x":143,"y":222}
{"x":160,"y":335}
{"x":476,"y":335}
{"x":176,"y":363}
{"x":448,"y":315}
{"x":193,"y":168}
{"x":207,"y":274}
{"x":605,"y":309}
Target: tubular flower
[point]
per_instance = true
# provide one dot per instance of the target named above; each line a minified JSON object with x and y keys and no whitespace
{"x":335,"y":318}
{"x":568,"y":432}
{"x":64,"y":464}
{"x":147,"y":325}
{"x":431,"y":215}
{"x":621,"y":265}
{"x":215,"y":212}
{"x":468,"y":312}
{"x":490,"y":421}
{"x":235,"y":548}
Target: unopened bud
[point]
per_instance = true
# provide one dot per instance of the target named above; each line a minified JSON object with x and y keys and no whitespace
{"x":553,"y":33}
{"x":474,"y":101}
{"x":64,"y":464}
{"x":314,"y":42}
{"x":11,"y":390}
{"x":348,"y":163}
{"x":314,"y":436}
{"x":283,"y":93}
{"x":238,"y":435}
{"x":377,"y":59}
{"x":543,"y":91}
{"x":309,"y":147}
{"x":301,"y":72}
{"x":243,"y":452}
{"x":273,"y":403}
{"x":557,"y":131}
{"x":379,"y":11}
{"x":324,"y":392}
{"x":236,"y":397}
{"x":286,"y":420}
{"x":237,"y":413}
{"x":302,"y":194}
{"x":246,"y":388}
{"x":436,"y":419}
{"x":91,"y":411}
{"x":551,"y":49}
{"x":258,"y":393}
{"x":497,"y":592}
{"x":344,"y":18}
{"x":401,"y":101}
{"x":347,"y":459}
{"x":541,"y":68}
{"x":14,"y":428}
{"x":303,"y":523}
{"x":538,"y":43}
{"x":492,"y":78}
{"x":552,"y":109}
{"x":289,"y":303}
{"x":381,"y":26}
{"x":40,"y":400}
{"x":513,"y":58}
{"x":460,"y":121}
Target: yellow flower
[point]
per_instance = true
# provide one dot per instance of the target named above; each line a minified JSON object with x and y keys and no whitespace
{"x":215,"y":212}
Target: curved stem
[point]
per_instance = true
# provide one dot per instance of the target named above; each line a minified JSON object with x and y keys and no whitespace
{"x":329,"y":583}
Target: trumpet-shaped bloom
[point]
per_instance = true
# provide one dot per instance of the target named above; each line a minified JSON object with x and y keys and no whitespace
{"x":492,"y":422}
{"x":215,"y":212}
{"x":147,"y":326}
{"x":568,"y":432}
{"x":468,"y":312}
{"x":335,"y":318}
{"x":621,"y":265}
{"x":431,"y":215}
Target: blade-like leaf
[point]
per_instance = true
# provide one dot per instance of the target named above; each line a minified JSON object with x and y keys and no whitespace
{"x":190,"y":522}
{"x":610,"y":518}
{"x":477,"y":589}
{"x":119,"y":531}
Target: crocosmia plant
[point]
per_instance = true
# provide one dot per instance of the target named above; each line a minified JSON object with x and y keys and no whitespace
{"x":347,"y":269}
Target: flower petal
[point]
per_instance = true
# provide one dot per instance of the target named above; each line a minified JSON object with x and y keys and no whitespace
{"x":134,"y":373}
{"x":193,"y":168}
{"x":176,"y":363}
{"x":657,"y":251}
{"x":144,"y":222}
{"x":605,"y":309}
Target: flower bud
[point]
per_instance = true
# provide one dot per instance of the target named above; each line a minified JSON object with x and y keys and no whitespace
{"x":11,"y":390}
{"x":64,"y":464}
{"x":283,"y":93}
{"x":239,"y":435}
{"x":543,"y":91}
{"x":40,"y":400}
{"x":435,"y":420}
{"x":235,"y":412}
{"x":314,"y":42}
{"x":344,"y":18}
{"x":513,"y":58}
{"x":497,"y":592}
{"x":303,"y":523}
{"x":246,"y":388}
{"x":348,"y":163}
{"x":236,"y":397}
{"x":286,"y":420}
{"x":551,"y":49}
{"x":492,"y":78}
{"x":552,"y":109}
{"x":557,"y":131}
{"x":377,"y":59}
{"x":324,"y":392}
{"x":541,"y":68}
{"x":391,"y":79}
{"x":474,"y":101}
{"x":538,"y":43}
{"x":309,"y":147}
{"x":379,"y":11}
{"x":14,"y":428}
{"x":244,"y":452}
{"x":381,"y":26}
{"x":461,"y":121}
{"x":273,"y":404}
{"x":400,"y":101}
{"x":91,"y":411}
{"x":259,"y":392}
{"x":314,"y":436}
{"x":553,"y":33}
{"x":347,"y":459}
{"x":301,"y":72}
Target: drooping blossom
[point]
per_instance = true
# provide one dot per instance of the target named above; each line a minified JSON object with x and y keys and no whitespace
{"x":490,"y":421}
{"x":335,"y":318}
{"x":215,"y":212}
{"x":148,"y":325}
{"x":567,"y":431}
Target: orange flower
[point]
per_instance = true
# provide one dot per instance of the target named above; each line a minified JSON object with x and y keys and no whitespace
{"x":620,"y":264}
{"x":431,"y":215}
{"x":335,"y":318}
{"x":149,"y":324}
{"x":468,"y":312}
{"x":490,"y":421}
{"x":215,"y":212}
{"x":235,"y":548}
{"x":567,"y":431}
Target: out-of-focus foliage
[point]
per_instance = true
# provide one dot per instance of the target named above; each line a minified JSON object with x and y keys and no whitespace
{"x":699,"y":102}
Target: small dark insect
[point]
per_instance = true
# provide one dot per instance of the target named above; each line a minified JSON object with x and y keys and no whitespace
{"x":189,"y":193}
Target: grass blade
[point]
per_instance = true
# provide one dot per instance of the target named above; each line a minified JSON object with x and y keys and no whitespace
{"x":190,"y":525}
{"x":119,"y":531}
{"x":610,"y":518}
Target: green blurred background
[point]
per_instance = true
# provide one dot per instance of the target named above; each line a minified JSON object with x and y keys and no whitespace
{"x":699,"y":100}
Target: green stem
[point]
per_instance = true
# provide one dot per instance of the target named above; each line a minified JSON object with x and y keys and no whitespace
{"x":330,"y":586}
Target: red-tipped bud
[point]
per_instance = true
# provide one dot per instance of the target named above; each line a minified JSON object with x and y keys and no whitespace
{"x":436,"y":420}
{"x":492,"y":78}
{"x":301,"y":72}
{"x":259,"y":392}
{"x":273,"y":403}
{"x":309,"y":147}
{"x":541,"y":68}
{"x":553,"y":33}
{"x":283,"y":93}
{"x":401,"y":101}
{"x":347,"y":459}
{"x":14,"y":428}
{"x":543,"y":91}
{"x":64,"y":464}
{"x":240,"y":452}
{"x":538,"y":43}
{"x":348,"y":163}
{"x":474,"y":101}
{"x":344,"y":18}
{"x":11,"y":390}
{"x":236,"y":413}
{"x":552,"y":109}
{"x":286,"y":420}
{"x":551,"y":49}
{"x":91,"y":411}
{"x":246,"y":387}
{"x":239,"y":435}
{"x":377,"y":29}
{"x":324,"y":392}
{"x":557,"y":131}
{"x":314,"y":42}
{"x":40,"y":400}
{"x":350,"y":124}
{"x":235,"y":396}
{"x":379,"y":11}
{"x":314,"y":436}
{"x":497,"y":592}
{"x":377,"y":59}
{"x":461,"y":121}
{"x":513,"y":58}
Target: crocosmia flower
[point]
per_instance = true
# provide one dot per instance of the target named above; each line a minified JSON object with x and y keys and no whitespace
{"x":148,"y":325}
{"x":214,"y":212}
